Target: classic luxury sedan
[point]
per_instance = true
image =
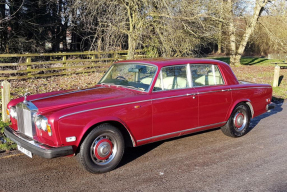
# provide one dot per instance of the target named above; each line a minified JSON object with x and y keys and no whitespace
{"x":135,"y":103}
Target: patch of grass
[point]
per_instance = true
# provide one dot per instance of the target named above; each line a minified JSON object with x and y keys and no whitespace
{"x":258,"y":61}
{"x":5,"y":143}
{"x":264,"y":75}
{"x":224,"y":59}
{"x":280,"y":92}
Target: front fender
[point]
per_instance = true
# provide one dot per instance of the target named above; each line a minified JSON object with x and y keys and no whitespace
{"x":90,"y":125}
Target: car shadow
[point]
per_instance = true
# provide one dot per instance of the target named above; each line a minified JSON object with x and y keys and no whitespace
{"x":132,"y":153}
{"x":278,"y":108}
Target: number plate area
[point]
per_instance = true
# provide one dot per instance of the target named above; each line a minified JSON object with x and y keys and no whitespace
{"x":25,"y":151}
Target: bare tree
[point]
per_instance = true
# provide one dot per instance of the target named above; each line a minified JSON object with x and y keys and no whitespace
{"x":236,"y":53}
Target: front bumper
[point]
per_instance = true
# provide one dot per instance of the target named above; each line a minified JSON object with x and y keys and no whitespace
{"x":270,"y":106}
{"x":38,"y":148}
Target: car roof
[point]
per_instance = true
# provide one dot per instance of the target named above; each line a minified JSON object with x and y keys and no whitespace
{"x":174,"y":61}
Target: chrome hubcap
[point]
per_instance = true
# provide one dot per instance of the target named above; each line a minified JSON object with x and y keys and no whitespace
{"x":103,"y":149}
{"x":240,"y":120}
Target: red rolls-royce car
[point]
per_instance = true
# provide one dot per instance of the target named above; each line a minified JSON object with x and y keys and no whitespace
{"x":135,"y":103}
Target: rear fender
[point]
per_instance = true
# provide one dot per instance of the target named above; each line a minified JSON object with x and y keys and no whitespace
{"x":246,"y":101}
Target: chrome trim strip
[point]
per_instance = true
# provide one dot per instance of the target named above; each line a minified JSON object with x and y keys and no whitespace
{"x":221,"y":90}
{"x":167,"y":134}
{"x":66,"y":93}
{"x":251,"y":108}
{"x":31,"y":106}
{"x":172,"y":89}
{"x":103,"y":108}
{"x":172,"y":97}
{"x":125,"y":104}
{"x":251,"y":88}
{"x":188,"y":73}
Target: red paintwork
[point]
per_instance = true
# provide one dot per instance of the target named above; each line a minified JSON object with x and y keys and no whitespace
{"x":96,"y":149}
{"x":146,"y":117}
{"x":238,"y":116}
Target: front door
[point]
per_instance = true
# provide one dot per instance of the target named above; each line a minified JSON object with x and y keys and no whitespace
{"x":174,"y":103}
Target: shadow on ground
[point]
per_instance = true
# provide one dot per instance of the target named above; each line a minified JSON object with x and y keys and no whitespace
{"x":253,"y":61}
{"x":278,"y":108}
{"x":280,"y":79}
{"x":132,"y":154}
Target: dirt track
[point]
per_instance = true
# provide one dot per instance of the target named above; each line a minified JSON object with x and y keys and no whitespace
{"x":206,"y":161}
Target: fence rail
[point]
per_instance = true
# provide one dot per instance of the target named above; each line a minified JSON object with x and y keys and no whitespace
{"x":50,"y":64}
{"x":280,"y":56}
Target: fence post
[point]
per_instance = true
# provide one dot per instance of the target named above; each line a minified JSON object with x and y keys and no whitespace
{"x":276,"y":76}
{"x":93,"y":57}
{"x":28,"y":60}
{"x":64,"y":59}
{"x":5,"y":88}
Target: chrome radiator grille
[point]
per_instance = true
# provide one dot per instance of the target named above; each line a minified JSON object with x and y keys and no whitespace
{"x":25,"y":112}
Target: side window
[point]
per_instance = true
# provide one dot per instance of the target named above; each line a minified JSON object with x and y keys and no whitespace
{"x":205,"y":75}
{"x":172,"y":77}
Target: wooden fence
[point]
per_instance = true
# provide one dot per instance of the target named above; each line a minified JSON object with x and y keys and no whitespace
{"x":23,"y":66}
{"x":280,"y":56}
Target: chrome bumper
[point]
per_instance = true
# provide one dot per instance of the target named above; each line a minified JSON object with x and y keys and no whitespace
{"x":38,"y":148}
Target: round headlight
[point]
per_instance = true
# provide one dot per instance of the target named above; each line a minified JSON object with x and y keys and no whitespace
{"x":13,"y":112}
{"x":44,"y":124}
{"x":38,"y":121}
{"x":41,"y":122}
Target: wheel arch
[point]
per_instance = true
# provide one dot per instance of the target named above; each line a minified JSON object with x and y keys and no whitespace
{"x":244,"y":101}
{"x":128,"y":138}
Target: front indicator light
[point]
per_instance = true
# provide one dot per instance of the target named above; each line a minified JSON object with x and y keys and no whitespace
{"x":49,"y":129}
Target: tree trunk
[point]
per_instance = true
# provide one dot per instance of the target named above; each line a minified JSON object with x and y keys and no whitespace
{"x":131,"y":34}
{"x":235,"y":60}
{"x":235,"y":55}
{"x":219,"y":39}
{"x":232,"y":37}
{"x":251,"y":26}
{"x":132,"y":46}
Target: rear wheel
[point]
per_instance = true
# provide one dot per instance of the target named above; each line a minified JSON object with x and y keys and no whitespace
{"x":238,"y":123}
{"x":102,"y":149}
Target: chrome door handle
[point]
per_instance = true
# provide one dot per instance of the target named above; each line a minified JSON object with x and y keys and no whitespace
{"x":189,"y":94}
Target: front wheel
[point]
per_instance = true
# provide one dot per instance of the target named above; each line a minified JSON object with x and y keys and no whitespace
{"x":238,"y":123}
{"x":102,"y":149}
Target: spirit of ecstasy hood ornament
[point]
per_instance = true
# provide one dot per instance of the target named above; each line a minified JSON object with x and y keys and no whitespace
{"x":25,"y":97}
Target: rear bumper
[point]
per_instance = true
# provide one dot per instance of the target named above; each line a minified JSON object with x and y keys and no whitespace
{"x":270,"y":106}
{"x":38,"y":148}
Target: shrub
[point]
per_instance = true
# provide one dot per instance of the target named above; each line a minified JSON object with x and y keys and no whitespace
{"x":5,"y":143}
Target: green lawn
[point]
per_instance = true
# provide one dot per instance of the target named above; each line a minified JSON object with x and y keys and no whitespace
{"x":251,"y":61}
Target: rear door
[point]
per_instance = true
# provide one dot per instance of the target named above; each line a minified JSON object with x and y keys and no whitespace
{"x":214,"y":96}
